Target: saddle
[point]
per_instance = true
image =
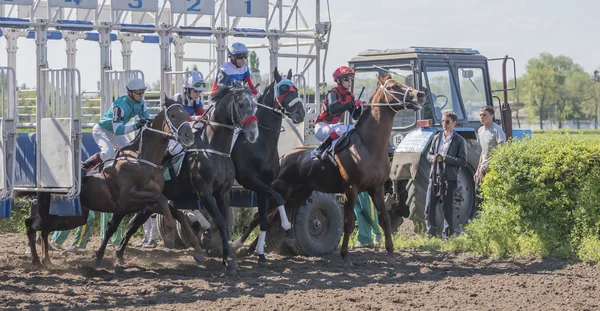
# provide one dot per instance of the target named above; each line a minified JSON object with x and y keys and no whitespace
{"x":172,"y":167}
{"x":340,"y":144}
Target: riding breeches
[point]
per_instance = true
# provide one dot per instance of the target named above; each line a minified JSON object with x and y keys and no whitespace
{"x":175,"y":147}
{"x":324,"y":130}
{"x":108,"y":142}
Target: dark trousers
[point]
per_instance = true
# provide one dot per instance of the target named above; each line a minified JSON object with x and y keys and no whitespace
{"x":431,"y":208}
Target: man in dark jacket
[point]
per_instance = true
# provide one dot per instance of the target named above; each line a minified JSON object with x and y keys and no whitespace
{"x":448,"y":153}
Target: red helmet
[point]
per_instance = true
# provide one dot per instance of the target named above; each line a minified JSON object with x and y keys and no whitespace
{"x":342,"y":72}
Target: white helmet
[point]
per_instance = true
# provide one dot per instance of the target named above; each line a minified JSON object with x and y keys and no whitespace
{"x":136,"y":84}
{"x":195,"y":81}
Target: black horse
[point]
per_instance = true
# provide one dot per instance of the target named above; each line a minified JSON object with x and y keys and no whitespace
{"x":257,"y":164}
{"x":207,"y":171}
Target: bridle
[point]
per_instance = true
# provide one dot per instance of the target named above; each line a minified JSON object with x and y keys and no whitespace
{"x":385,"y":91}
{"x":278,"y":107}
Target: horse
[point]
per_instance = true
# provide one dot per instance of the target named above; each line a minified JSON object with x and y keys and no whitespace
{"x":130,"y":184}
{"x":360,"y":162}
{"x":258,"y":164}
{"x":207,"y":171}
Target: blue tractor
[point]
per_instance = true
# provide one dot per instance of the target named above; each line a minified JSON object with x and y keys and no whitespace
{"x":454,"y":79}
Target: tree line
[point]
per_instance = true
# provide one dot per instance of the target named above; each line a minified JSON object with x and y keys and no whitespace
{"x":557,"y":88}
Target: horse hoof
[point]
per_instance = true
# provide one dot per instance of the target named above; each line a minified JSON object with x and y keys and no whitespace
{"x":242,"y":252}
{"x":97,"y":262}
{"x":169,"y":242}
{"x":232,"y":265}
{"x":348,"y":262}
{"x":119,"y":261}
{"x":37,"y":264}
{"x":262,"y":260}
{"x":47,"y":264}
{"x":198,"y":257}
{"x":391,"y":259}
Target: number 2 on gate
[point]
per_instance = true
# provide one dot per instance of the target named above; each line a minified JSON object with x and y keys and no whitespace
{"x":194,"y":7}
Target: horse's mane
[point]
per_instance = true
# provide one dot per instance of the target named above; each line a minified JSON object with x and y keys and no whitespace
{"x":222,"y":93}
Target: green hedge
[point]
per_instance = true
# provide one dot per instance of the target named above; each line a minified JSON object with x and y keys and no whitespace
{"x":571,"y":131}
{"x":542,"y":198}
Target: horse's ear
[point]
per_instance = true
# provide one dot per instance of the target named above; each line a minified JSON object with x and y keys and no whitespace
{"x":168,"y":101}
{"x":387,"y":76}
{"x":289,"y":75}
{"x":380,"y":80}
{"x":276,"y":75}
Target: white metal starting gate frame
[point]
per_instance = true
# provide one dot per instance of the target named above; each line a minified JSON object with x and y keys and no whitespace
{"x":170,"y":24}
{"x":8,"y":131}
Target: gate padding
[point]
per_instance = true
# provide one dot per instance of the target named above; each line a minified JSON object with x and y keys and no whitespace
{"x":25,"y":166}
{"x":26,"y":150}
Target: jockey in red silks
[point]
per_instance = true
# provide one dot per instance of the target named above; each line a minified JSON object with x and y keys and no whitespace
{"x":338,"y":100}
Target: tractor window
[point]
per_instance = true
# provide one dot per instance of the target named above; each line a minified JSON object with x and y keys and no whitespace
{"x":442,"y":91}
{"x":367,"y":77}
{"x":472,"y":91}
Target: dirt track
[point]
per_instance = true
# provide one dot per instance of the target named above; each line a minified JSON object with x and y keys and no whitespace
{"x":168,"y":280}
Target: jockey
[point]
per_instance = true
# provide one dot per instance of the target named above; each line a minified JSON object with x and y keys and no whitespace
{"x":191,"y":99}
{"x":109,"y":132}
{"x":338,"y":100}
{"x":235,"y":69}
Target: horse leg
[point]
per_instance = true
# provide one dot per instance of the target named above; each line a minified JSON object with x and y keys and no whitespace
{"x":156,"y":203}
{"x":240,"y":242}
{"x":350,"y":200}
{"x":269,"y":194}
{"x":264,"y":226}
{"x":45,"y":255}
{"x":229,"y":259}
{"x":135,"y":223}
{"x":187,"y":230}
{"x":378,"y":196}
{"x":113,"y":224}
{"x":31,"y":235}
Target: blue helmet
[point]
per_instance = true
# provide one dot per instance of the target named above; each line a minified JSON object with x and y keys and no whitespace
{"x":237,"y":48}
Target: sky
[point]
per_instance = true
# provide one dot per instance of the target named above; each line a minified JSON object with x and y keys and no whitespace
{"x":518,"y":28}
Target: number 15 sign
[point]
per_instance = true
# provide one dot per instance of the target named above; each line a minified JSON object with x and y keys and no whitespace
{"x":248,"y":8}
{"x":202,"y":7}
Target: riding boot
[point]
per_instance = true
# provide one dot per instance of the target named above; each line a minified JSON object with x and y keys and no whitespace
{"x":90,"y":163}
{"x":166,"y":158}
{"x":320,"y":151}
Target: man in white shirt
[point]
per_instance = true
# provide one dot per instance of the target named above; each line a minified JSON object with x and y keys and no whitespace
{"x":490,"y":136}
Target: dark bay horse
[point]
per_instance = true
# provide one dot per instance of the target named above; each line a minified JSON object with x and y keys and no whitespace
{"x":132,"y":183}
{"x":363,"y":165}
{"x":256,"y":165}
{"x":207,"y":171}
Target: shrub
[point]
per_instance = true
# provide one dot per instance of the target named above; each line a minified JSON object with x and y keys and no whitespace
{"x":541,"y":197}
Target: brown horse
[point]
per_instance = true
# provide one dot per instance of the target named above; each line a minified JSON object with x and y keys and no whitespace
{"x":134,"y":182}
{"x":362,"y":165}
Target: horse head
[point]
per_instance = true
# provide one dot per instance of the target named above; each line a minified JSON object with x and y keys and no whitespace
{"x":397,"y":94}
{"x":234,"y":106}
{"x":175,"y":121}
{"x":283,"y":96}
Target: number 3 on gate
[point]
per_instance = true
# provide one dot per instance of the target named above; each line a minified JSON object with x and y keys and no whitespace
{"x":135,"y":4}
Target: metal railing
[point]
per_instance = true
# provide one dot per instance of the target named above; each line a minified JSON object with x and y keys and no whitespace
{"x":90,"y":108}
